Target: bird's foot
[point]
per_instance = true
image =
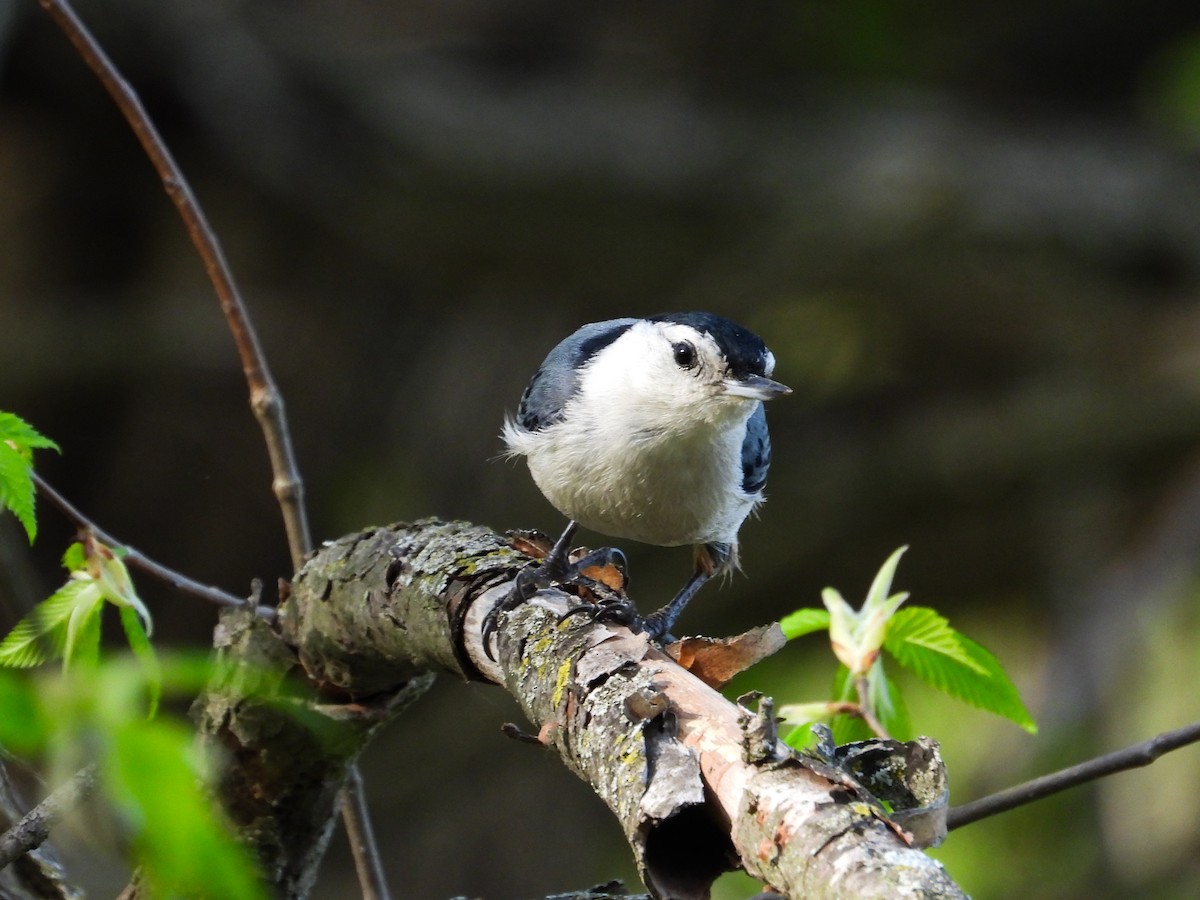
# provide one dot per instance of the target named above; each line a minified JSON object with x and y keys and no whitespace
{"x":526,"y":584}
{"x":622,"y":611}
{"x":618,"y":610}
{"x":556,"y":569}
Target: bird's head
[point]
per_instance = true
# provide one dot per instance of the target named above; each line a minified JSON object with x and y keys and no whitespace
{"x":691,"y":364}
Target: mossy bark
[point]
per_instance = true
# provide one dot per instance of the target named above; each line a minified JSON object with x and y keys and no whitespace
{"x":371,"y":617}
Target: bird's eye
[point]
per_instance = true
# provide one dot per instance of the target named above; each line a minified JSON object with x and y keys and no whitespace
{"x":685,"y":354}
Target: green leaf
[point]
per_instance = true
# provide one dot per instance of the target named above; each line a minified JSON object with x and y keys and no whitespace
{"x":16,"y":488}
{"x":139,"y":643}
{"x":74,"y":559}
{"x":23,"y":728}
{"x":42,"y":635}
{"x":845,"y":727}
{"x":804,"y":621}
{"x":800,"y":714}
{"x":82,"y":645}
{"x":857,"y":635}
{"x":881,"y":585}
{"x":67,"y":624}
{"x":182,"y":845}
{"x":96,"y":562}
{"x":883,"y":698}
{"x":886,"y":701}
{"x":23,"y":435}
{"x":925,"y":643}
{"x":18,"y":440}
{"x":921,"y":626}
{"x":151,"y":771}
{"x":112,"y":575}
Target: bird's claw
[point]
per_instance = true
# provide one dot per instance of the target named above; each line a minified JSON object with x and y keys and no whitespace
{"x":553,"y":571}
{"x":621,"y":611}
{"x":618,"y":610}
{"x":528,"y":582}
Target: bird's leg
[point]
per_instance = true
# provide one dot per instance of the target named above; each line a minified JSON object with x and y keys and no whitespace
{"x":711,"y":559}
{"x":621,"y":611}
{"x":556,"y":564}
{"x":555,"y":568}
{"x":658,"y":624}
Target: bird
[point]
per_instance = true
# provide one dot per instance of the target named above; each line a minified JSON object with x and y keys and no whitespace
{"x":652,"y":430}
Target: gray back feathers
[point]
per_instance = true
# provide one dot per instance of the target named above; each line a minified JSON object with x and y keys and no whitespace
{"x":557,"y":379}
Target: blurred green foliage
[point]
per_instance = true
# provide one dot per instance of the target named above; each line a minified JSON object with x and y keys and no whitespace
{"x":152,"y":774}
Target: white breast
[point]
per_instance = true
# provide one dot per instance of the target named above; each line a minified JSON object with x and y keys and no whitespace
{"x":664,"y":490}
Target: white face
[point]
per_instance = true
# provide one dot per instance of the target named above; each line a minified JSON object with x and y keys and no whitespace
{"x":667,"y":370}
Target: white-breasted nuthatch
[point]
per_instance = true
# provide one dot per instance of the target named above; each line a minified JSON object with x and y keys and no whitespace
{"x":649,"y":429}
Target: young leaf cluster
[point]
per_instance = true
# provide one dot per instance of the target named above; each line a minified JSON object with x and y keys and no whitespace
{"x":865,"y":698}
{"x":66,"y":625}
{"x":150,"y":770}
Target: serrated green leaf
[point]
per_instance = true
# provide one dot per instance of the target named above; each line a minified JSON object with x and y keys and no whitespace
{"x":804,"y":621}
{"x":925,"y":627}
{"x":16,"y":488}
{"x":979,"y":680}
{"x":139,"y":643}
{"x":15,"y":429}
{"x":18,"y":440}
{"x":41,"y":635}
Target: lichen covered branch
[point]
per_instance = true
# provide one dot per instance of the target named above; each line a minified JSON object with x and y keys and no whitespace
{"x":696,"y":790}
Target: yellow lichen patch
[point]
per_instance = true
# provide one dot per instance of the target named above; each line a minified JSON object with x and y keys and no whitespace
{"x":560,"y":683}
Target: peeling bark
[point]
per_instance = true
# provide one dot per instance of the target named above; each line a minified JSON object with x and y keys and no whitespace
{"x":697,"y":791}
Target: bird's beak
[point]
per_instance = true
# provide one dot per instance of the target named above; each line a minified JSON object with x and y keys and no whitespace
{"x":756,"y":387}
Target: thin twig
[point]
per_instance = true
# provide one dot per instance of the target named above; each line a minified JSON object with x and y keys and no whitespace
{"x":265,"y":398}
{"x":1142,"y":754}
{"x":139,"y":560}
{"x":864,"y":708}
{"x":362,"y":839}
{"x":33,"y":829}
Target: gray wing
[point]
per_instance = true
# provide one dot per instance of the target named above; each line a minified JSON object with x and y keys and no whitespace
{"x":557,"y":379}
{"x":756,"y":452}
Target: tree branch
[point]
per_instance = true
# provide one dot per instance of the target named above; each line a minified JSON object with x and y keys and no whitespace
{"x":138,"y":559}
{"x":372,"y":615}
{"x":265,"y":399}
{"x":33,"y":872}
{"x":34,"y":827}
{"x":367,"y":863}
{"x":1138,"y":755}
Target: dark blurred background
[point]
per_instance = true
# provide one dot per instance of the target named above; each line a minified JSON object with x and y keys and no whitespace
{"x":970,"y":233}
